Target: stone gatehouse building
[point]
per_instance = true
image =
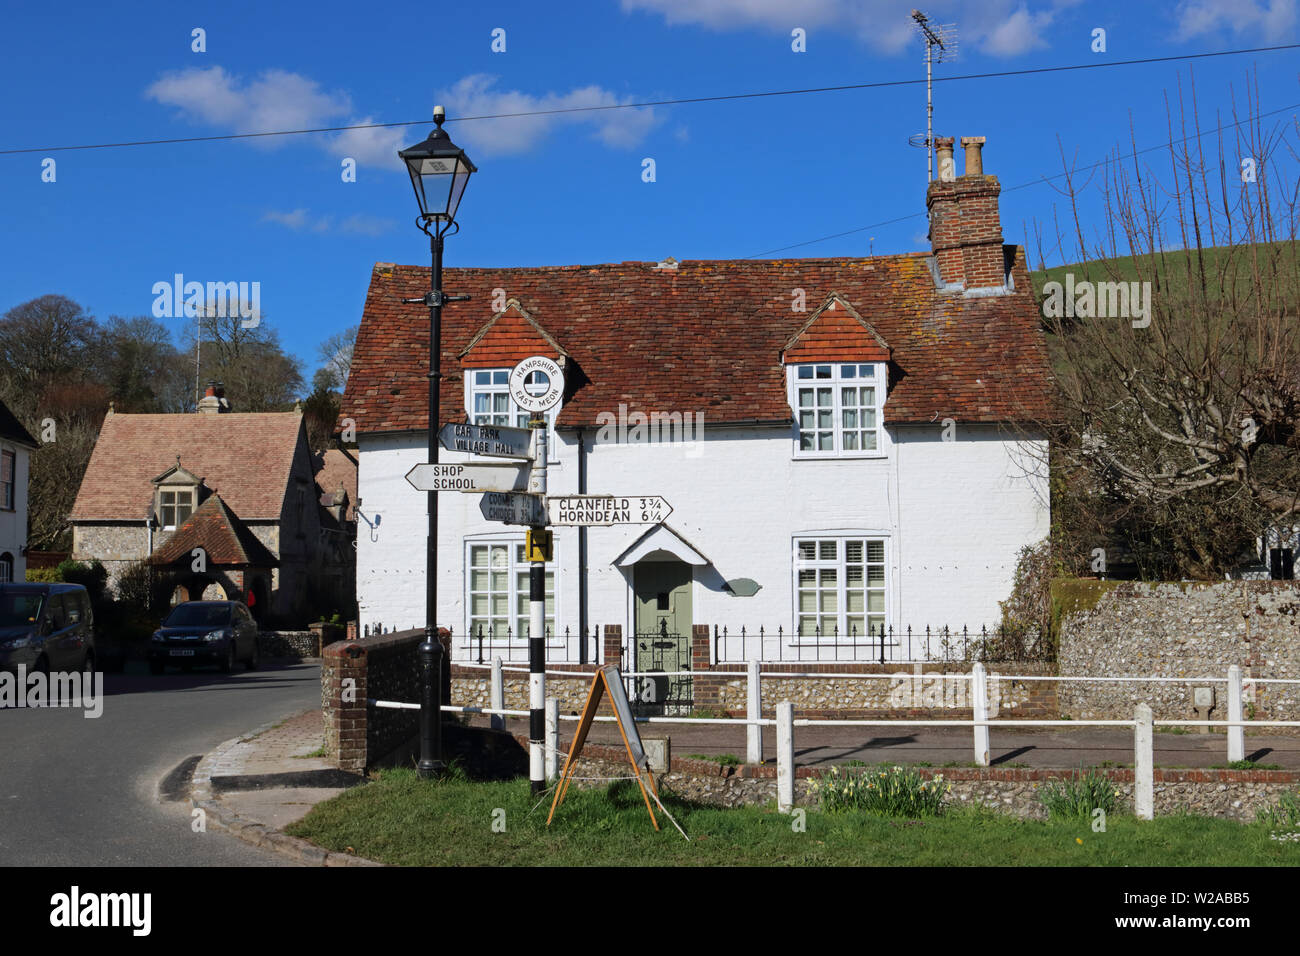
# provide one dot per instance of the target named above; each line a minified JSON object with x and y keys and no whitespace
{"x":242,"y":493}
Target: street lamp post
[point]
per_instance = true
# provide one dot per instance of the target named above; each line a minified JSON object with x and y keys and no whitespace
{"x":439,"y":173}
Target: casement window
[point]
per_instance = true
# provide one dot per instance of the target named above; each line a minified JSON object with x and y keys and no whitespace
{"x":8,"y":468}
{"x":6,"y":568}
{"x":489,"y":403}
{"x":840,"y":587}
{"x":175,"y":506}
{"x":838,"y":408}
{"x":497,"y":592}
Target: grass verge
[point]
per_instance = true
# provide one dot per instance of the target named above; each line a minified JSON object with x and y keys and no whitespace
{"x":400,"y":819}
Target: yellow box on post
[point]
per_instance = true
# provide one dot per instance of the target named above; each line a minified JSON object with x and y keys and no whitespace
{"x":537,"y":545}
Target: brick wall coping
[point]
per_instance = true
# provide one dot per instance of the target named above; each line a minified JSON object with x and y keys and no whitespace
{"x":362,"y":645}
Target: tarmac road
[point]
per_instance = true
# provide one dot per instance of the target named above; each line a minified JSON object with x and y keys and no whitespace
{"x":84,"y":792}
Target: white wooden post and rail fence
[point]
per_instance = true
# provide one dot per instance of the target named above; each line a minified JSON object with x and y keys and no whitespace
{"x":1142,"y":722}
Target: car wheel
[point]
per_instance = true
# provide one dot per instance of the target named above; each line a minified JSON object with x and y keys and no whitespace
{"x":228,"y":664}
{"x":255,"y":658}
{"x":156,"y":667}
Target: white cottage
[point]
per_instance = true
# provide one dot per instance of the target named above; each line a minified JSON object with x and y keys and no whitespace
{"x":847,"y":445}
{"x":16,"y":447}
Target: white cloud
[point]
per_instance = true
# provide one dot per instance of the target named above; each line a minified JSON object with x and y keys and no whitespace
{"x":279,"y":100}
{"x":1001,"y":28}
{"x":375,"y":147}
{"x":297,"y":220}
{"x":301,"y":220}
{"x":1271,"y":20}
{"x":476,"y":95}
{"x":275,"y":100}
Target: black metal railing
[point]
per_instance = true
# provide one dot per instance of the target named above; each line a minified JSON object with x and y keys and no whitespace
{"x":484,"y":643}
{"x":881,"y":645}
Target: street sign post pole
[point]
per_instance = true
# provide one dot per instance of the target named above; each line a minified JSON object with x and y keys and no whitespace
{"x":537,"y":626}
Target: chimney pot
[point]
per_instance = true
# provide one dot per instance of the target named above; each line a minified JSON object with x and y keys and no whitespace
{"x":943,"y":146}
{"x":974,"y":146}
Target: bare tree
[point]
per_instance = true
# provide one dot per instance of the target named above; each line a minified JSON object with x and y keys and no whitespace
{"x":1176,"y":341}
{"x":258,"y":375}
{"x":335,"y":354}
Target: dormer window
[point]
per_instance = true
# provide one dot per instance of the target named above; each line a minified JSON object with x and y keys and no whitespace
{"x":489,"y":403}
{"x":175,"y":505}
{"x":176,"y":495}
{"x":837,"y":408}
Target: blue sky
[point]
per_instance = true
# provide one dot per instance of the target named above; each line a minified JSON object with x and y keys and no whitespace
{"x":733,"y":179}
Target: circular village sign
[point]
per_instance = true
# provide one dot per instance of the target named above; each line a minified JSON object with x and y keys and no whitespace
{"x":536,"y":384}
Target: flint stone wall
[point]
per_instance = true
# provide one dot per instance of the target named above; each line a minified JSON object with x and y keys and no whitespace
{"x":908,"y":690}
{"x":1226,"y":794}
{"x":1183,"y":630}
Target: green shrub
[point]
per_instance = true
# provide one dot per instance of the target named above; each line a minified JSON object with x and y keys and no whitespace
{"x":147,"y":588}
{"x":93,"y":577}
{"x":1285,"y":814}
{"x":44,"y":575}
{"x":1078,"y":797}
{"x":882,"y":791}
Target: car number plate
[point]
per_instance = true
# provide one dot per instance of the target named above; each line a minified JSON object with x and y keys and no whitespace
{"x":182,"y":653}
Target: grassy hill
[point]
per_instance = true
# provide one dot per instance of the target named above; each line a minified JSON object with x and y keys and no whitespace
{"x":1220,"y":263}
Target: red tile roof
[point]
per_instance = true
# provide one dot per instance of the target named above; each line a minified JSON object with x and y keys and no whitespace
{"x":223,"y":537}
{"x":706,"y":337}
{"x":836,"y":333}
{"x":246,"y":457}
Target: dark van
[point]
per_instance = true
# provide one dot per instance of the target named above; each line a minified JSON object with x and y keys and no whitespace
{"x":46,"y":627}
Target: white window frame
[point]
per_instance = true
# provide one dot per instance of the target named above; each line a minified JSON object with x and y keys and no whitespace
{"x":175,"y":506}
{"x":10,"y":487}
{"x":514,"y":568}
{"x":518,"y":418}
{"x":6,"y":568}
{"x":837,"y":381}
{"x":839,"y":563}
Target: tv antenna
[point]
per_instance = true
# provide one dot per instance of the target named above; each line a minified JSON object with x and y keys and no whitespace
{"x":940,"y":47}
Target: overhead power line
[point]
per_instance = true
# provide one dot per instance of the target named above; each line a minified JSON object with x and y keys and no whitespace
{"x":881,"y":84}
{"x":1032,"y":182}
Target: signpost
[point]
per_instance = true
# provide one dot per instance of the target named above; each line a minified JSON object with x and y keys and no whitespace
{"x":496,"y":440}
{"x":607,"y":510}
{"x":468,"y":478}
{"x":536,"y":384}
{"x":513,"y":508}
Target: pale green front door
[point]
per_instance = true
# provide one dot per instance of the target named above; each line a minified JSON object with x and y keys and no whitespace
{"x":663,"y":636}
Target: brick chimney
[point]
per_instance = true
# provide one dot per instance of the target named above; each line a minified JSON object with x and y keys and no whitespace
{"x":214,"y":400}
{"x":965,"y":228}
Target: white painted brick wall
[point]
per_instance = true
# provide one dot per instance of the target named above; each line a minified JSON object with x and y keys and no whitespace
{"x":13,"y":524}
{"x":954,"y":515}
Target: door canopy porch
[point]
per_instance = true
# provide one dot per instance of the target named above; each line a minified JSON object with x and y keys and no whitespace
{"x":661,"y":543}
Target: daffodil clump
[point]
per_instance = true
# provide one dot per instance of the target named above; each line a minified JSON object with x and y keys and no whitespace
{"x":884,"y":791}
{"x":1077,"y":798}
